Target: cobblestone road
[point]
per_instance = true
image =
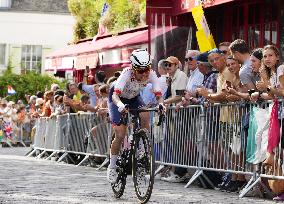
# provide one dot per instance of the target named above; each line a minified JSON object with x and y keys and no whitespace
{"x":28,"y":180}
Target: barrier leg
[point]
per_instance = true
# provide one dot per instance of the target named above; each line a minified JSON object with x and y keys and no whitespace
{"x":39,"y":156}
{"x":62,"y":157}
{"x":22,"y":143}
{"x":106,"y":161}
{"x":208,"y":180}
{"x":85,"y":158}
{"x":159,"y":169}
{"x":31,"y":153}
{"x":248,"y":187}
{"x":194,"y":177}
{"x":49,"y":157}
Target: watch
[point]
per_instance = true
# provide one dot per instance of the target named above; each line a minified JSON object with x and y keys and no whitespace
{"x":268,"y":89}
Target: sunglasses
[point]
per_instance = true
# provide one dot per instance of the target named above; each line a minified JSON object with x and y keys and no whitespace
{"x":188,"y":59}
{"x":167,"y":64}
{"x":224,"y":51}
{"x":142,"y":71}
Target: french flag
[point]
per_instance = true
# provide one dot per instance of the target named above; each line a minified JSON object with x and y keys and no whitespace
{"x":11,"y":91}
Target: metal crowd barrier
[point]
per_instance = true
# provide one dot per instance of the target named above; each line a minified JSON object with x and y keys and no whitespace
{"x":71,"y":134}
{"x":220,"y":138}
{"x":17,"y":135}
{"x":230,"y":138}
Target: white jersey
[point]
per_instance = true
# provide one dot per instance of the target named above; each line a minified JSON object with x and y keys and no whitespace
{"x":127,"y":86}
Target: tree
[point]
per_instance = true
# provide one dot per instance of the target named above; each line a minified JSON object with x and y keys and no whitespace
{"x":24,"y":84}
{"x":121,"y":15}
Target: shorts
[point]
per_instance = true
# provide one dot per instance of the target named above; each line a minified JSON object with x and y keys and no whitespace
{"x":114,"y":114}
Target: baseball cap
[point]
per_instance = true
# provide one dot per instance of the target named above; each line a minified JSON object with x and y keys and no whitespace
{"x":33,"y":97}
{"x":39,"y":101}
{"x":172,"y":60}
{"x":215,"y":50}
{"x":203,"y":57}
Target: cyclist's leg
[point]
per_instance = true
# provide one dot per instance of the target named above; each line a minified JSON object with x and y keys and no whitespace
{"x":120,"y":132}
{"x":145,"y":120}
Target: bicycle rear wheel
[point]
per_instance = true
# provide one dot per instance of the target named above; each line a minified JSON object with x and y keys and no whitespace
{"x":119,"y":186}
{"x":143,"y":166}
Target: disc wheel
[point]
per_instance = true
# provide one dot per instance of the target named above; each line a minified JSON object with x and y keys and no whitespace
{"x":143,"y":166}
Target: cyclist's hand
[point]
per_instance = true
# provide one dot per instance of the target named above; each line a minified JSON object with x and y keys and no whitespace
{"x":121,"y":107}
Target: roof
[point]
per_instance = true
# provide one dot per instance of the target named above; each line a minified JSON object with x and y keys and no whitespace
{"x":123,"y":39}
{"x":116,"y":41}
{"x":42,"y":6}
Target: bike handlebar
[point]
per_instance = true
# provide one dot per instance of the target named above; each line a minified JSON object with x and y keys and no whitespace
{"x":160,"y":109}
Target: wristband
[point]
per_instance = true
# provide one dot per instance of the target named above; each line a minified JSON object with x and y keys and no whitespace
{"x":120,"y":106}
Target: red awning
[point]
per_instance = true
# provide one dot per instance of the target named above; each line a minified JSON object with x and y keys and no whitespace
{"x":138,"y":37}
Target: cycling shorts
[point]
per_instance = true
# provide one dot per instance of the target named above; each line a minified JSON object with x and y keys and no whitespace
{"x":133,"y":103}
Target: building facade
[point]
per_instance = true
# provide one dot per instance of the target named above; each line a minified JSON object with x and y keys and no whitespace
{"x":30,"y":30}
{"x":259,"y":22}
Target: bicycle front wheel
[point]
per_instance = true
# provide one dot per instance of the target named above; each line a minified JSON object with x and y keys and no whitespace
{"x":119,"y":186}
{"x":143,"y":166}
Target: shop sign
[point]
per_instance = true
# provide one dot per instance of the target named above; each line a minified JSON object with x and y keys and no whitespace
{"x":87,"y":60}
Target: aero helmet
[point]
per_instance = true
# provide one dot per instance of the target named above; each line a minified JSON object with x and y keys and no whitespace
{"x":140,"y":59}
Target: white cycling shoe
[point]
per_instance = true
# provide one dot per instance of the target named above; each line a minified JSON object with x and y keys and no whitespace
{"x":111,"y":175}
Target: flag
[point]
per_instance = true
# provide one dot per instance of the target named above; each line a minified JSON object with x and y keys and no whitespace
{"x":11,"y":91}
{"x":102,"y":29}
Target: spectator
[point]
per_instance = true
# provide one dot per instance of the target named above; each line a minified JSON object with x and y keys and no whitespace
{"x":177,"y":80}
{"x":196,"y":77}
{"x":224,"y":48}
{"x":100,"y":77}
{"x":91,"y":91}
{"x":240,"y":52}
{"x":54,"y":87}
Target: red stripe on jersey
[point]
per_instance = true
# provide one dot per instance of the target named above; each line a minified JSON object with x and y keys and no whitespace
{"x":158,"y":93}
{"x":117,"y":91}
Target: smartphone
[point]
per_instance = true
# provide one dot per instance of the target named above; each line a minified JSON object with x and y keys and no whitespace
{"x":251,"y":91}
{"x":180,"y":92}
{"x":229,"y":84}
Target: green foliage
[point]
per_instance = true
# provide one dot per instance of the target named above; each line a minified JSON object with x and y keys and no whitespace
{"x":121,"y":15}
{"x":28,"y":83}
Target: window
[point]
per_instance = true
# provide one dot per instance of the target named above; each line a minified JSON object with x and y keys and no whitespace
{"x":2,"y":54}
{"x":31,"y":58}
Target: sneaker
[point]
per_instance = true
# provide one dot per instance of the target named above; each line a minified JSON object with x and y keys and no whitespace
{"x":235,"y":186}
{"x":279,"y":197}
{"x":111,"y":175}
{"x":173,"y":178}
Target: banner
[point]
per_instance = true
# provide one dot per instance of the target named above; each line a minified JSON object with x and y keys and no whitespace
{"x":204,"y":37}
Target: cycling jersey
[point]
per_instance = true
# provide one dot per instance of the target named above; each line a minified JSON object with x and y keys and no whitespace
{"x":126,"y":86}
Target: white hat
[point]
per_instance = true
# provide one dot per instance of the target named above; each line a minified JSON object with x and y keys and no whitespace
{"x":39,"y":101}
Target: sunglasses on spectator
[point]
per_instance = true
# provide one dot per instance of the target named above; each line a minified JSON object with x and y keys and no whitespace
{"x":188,"y":59}
{"x":224,"y":51}
{"x":142,"y":71}
{"x":167,"y":64}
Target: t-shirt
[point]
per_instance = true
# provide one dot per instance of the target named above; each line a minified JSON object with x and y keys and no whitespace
{"x":89,"y":89}
{"x":228,"y":113}
{"x":179,"y":82}
{"x":246,"y":74}
{"x":195,"y":80}
{"x":274,"y":79}
{"x":128,"y":87}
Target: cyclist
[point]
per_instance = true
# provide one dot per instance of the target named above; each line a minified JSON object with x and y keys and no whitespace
{"x":126,"y":90}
